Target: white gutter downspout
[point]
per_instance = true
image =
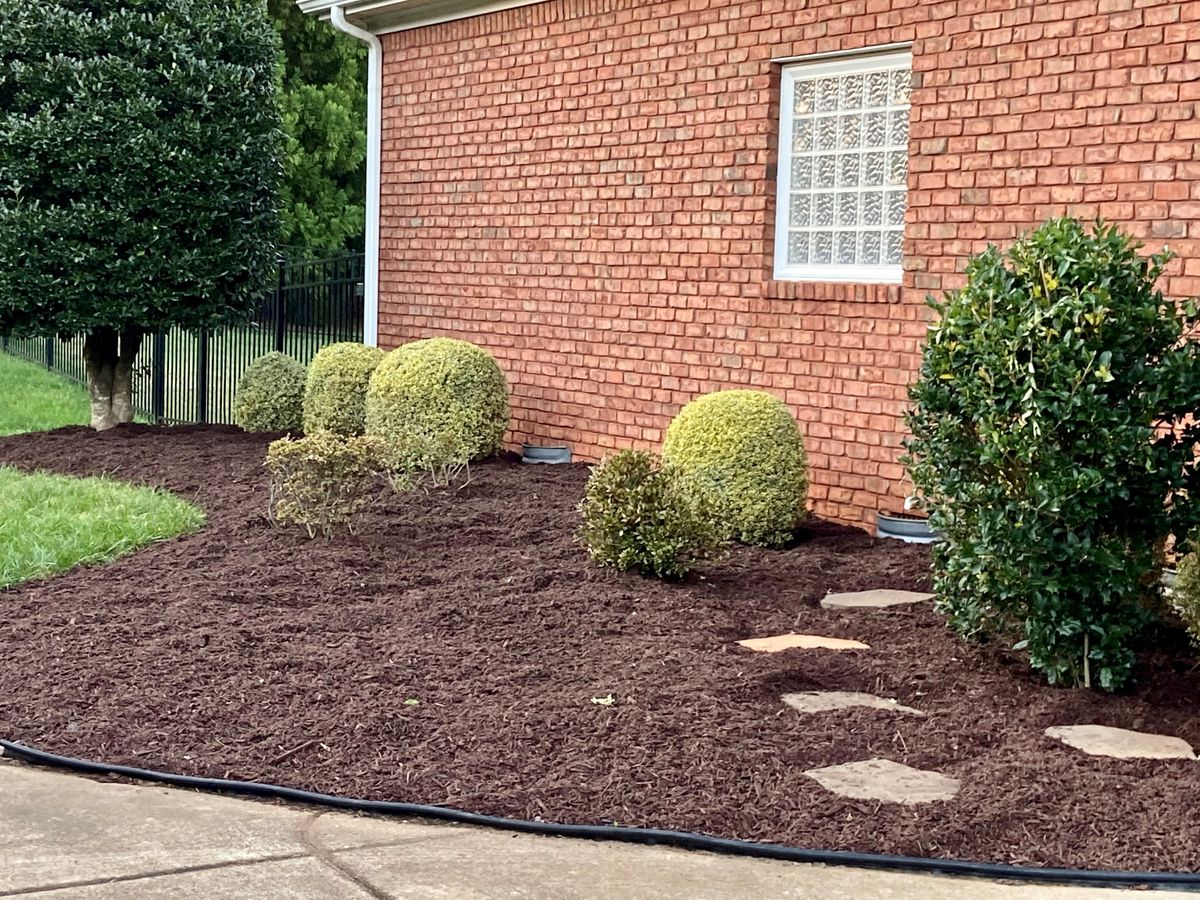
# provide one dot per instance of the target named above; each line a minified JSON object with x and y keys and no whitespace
{"x":337,"y":17}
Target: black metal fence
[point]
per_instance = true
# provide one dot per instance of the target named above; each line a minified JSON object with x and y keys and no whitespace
{"x":182,"y":377}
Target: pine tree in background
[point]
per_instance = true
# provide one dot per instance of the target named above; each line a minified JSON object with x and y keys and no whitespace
{"x":324,"y":105}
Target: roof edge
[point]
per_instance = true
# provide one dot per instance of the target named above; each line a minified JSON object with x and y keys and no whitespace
{"x":384,"y":16}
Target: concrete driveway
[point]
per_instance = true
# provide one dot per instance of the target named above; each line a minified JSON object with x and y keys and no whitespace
{"x":65,"y":836}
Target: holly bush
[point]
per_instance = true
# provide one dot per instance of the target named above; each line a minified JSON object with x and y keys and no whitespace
{"x":140,"y":161}
{"x":1052,"y":443}
{"x":640,"y":515}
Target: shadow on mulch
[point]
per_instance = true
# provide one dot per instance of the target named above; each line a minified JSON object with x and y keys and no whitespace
{"x":450,"y":651}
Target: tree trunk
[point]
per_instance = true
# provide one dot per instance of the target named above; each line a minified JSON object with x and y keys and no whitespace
{"x":122,"y":404}
{"x":109,"y":364}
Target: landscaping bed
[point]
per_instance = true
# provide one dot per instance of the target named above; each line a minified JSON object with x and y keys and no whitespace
{"x":451,"y":651}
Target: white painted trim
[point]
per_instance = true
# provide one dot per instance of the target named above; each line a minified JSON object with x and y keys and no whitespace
{"x":475,"y":10}
{"x":842,"y":274}
{"x":388,"y":16}
{"x":337,"y":18}
{"x":871,"y":60}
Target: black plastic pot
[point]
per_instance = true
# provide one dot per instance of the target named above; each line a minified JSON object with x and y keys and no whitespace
{"x":904,"y":527}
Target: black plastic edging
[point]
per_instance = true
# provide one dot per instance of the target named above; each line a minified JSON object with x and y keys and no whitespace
{"x":683,"y":839}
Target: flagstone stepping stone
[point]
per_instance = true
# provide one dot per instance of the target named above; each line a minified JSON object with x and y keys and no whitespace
{"x":887,"y":781}
{"x":1119,"y":743}
{"x":882,"y":779}
{"x":823,"y":701}
{"x":876,"y":599}
{"x":801,"y":642}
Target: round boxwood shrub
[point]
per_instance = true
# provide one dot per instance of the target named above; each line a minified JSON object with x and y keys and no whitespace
{"x":335,"y":395}
{"x":270,"y":395}
{"x":1052,"y":440}
{"x":743,"y":451}
{"x":440,"y":402}
{"x":639,"y":515}
{"x":1185,"y":594}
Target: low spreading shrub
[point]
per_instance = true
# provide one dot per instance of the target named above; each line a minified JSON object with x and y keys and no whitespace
{"x":743,"y":452}
{"x":639,"y":515}
{"x":335,"y":394}
{"x":1051,"y":432}
{"x":439,"y":403}
{"x":321,"y":480}
{"x":270,"y":395}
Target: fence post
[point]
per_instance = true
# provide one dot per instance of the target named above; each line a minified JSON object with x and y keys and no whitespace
{"x":202,"y":378}
{"x":50,"y":353}
{"x":158,"y":379}
{"x":280,"y":309}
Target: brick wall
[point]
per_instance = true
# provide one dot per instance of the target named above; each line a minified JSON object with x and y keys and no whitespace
{"x":585,"y":187}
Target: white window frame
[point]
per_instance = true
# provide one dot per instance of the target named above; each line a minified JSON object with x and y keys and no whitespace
{"x":793,"y":71}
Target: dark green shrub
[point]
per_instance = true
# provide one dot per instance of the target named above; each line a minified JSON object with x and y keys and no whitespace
{"x":743,"y":451}
{"x":321,"y":480}
{"x":440,"y":402}
{"x":639,"y":515}
{"x":270,"y":395}
{"x":140,"y":160}
{"x":335,"y":394}
{"x":1050,"y":434}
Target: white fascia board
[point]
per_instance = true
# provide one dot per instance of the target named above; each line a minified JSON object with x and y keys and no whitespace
{"x":384,"y":16}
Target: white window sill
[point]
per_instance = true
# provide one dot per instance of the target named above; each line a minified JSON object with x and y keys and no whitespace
{"x":842,"y":274}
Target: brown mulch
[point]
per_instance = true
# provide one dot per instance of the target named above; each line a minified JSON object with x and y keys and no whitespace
{"x":219,"y":653}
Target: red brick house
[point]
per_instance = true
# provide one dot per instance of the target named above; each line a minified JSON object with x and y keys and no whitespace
{"x":631,"y":203}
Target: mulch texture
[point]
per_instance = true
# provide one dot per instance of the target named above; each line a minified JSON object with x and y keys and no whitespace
{"x":245,"y":651}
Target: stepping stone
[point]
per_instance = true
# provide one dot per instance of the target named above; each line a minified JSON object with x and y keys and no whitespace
{"x":1101,"y":740}
{"x":801,"y":642}
{"x":823,"y":701}
{"x":877,"y":599}
{"x":882,"y":779}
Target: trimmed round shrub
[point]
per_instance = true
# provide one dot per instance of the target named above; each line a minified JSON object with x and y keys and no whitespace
{"x":270,"y":395}
{"x":440,"y":402}
{"x":1185,"y":594}
{"x":1053,"y":438}
{"x":639,"y":515}
{"x":335,"y":395}
{"x":743,"y":451}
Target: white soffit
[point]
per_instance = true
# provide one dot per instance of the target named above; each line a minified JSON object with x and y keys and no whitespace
{"x":382,"y":16}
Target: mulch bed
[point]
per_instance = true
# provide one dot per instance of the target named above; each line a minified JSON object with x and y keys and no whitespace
{"x":219,"y":653}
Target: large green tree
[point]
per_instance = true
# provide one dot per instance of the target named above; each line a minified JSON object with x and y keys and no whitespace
{"x":140,"y":158}
{"x":1054,"y":439}
{"x":324,"y":105}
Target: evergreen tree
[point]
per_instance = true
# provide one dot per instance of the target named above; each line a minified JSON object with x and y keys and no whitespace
{"x":324,"y":103}
{"x":140,"y":158}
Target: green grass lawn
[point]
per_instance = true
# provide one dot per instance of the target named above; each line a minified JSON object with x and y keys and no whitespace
{"x":32,"y":399}
{"x":51,"y":523}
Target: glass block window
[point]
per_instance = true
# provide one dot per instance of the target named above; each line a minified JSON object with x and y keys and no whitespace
{"x":843,"y":168}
